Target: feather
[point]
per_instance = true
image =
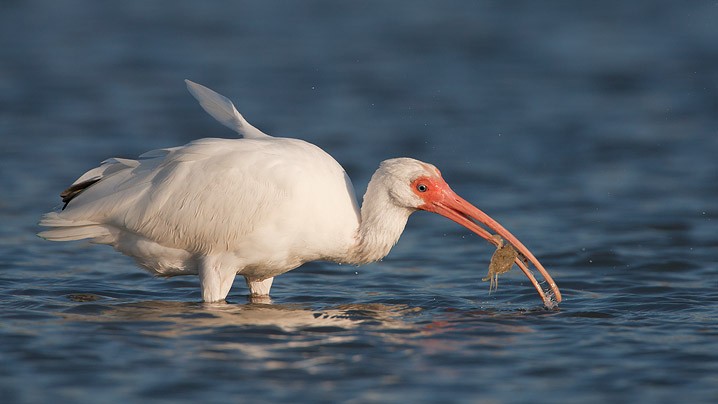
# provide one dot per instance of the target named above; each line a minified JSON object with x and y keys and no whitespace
{"x":222,"y":109}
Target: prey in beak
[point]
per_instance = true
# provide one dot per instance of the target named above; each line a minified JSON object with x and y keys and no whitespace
{"x":439,"y":198}
{"x":501,"y":262}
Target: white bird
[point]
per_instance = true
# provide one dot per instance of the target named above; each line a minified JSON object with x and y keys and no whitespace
{"x":257,"y":206}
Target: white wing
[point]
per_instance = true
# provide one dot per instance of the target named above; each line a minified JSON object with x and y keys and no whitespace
{"x":276,"y":200}
{"x":222,"y":109}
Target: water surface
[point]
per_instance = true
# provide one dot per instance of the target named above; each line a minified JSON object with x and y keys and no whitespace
{"x":589,"y":131}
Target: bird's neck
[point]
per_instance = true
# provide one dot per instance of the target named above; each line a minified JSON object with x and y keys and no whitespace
{"x":382,"y":223}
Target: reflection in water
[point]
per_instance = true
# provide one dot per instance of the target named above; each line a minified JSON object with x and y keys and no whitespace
{"x":181,"y":318}
{"x":272,"y":336}
{"x":267,"y":332}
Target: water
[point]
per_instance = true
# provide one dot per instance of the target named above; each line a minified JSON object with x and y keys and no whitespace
{"x":590,"y":131}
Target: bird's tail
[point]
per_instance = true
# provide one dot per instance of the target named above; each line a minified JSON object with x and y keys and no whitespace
{"x":62,"y":229}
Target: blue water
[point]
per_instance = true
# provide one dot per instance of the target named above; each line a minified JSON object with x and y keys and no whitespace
{"x":589,"y":130}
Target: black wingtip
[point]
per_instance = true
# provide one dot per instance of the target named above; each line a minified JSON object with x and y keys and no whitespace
{"x":76,"y":189}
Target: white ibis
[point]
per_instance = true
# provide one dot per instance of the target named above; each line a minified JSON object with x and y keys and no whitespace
{"x":257,"y":206}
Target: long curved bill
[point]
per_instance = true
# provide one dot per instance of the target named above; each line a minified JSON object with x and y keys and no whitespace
{"x":462,"y":212}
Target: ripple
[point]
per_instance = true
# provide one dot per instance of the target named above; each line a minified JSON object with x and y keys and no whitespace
{"x":602,"y":167}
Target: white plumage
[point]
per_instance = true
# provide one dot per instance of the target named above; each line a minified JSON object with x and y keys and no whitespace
{"x":257,"y":206}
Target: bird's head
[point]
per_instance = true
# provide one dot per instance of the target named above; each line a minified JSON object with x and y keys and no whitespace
{"x":400,"y":178}
{"x":416,"y":185}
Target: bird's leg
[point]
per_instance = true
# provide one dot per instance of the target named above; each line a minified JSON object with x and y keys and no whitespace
{"x":215,"y":279}
{"x":259,"y":288}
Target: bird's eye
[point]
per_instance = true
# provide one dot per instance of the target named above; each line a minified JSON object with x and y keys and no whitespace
{"x":422,"y":188}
